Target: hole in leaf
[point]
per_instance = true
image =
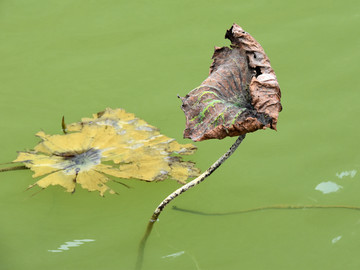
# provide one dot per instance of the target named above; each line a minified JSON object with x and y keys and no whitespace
{"x":258,"y":71}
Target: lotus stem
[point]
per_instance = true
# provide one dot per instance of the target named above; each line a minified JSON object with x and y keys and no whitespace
{"x":197,"y":180}
{"x":179,"y":191}
{"x":15,"y":168}
{"x":270,"y":207}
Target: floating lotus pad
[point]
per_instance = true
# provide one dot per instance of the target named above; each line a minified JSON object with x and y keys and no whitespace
{"x":113,"y":143}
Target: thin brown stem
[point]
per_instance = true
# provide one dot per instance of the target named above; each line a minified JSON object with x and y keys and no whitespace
{"x":63,"y":125}
{"x":15,"y":168}
{"x":179,"y":191}
{"x":270,"y":207}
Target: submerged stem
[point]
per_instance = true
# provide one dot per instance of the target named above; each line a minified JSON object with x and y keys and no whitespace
{"x":15,"y":168}
{"x":177,"y":192}
{"x":269,"y":207}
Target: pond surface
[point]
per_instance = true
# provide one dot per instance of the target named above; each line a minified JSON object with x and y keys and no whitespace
{"x":75,"y":58}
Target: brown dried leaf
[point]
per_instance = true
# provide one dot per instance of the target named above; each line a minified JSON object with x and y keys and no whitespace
{"x":240,"y":95}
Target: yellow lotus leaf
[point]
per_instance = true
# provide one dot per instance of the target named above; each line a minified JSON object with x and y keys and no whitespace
{"x":142,"y":151}
{"x":126,"y":124}
{"x":112,"y":144}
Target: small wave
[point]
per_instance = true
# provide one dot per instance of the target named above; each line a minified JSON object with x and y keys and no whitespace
{"x":68,"y":245}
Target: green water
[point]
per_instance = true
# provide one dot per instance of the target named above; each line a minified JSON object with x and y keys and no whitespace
{"x":75,"y":58}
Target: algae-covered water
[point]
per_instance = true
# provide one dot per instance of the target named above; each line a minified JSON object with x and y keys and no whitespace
{"x":75,"y":58}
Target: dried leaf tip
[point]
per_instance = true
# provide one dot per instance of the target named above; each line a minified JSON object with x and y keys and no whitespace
{"x":240,"y":95}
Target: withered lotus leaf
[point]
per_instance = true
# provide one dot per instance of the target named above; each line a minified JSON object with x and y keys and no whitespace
{"x":240,"y":95}
{"x":112,"y":144}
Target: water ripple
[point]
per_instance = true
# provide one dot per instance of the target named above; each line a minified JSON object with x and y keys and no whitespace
{"x":68,"y":245}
